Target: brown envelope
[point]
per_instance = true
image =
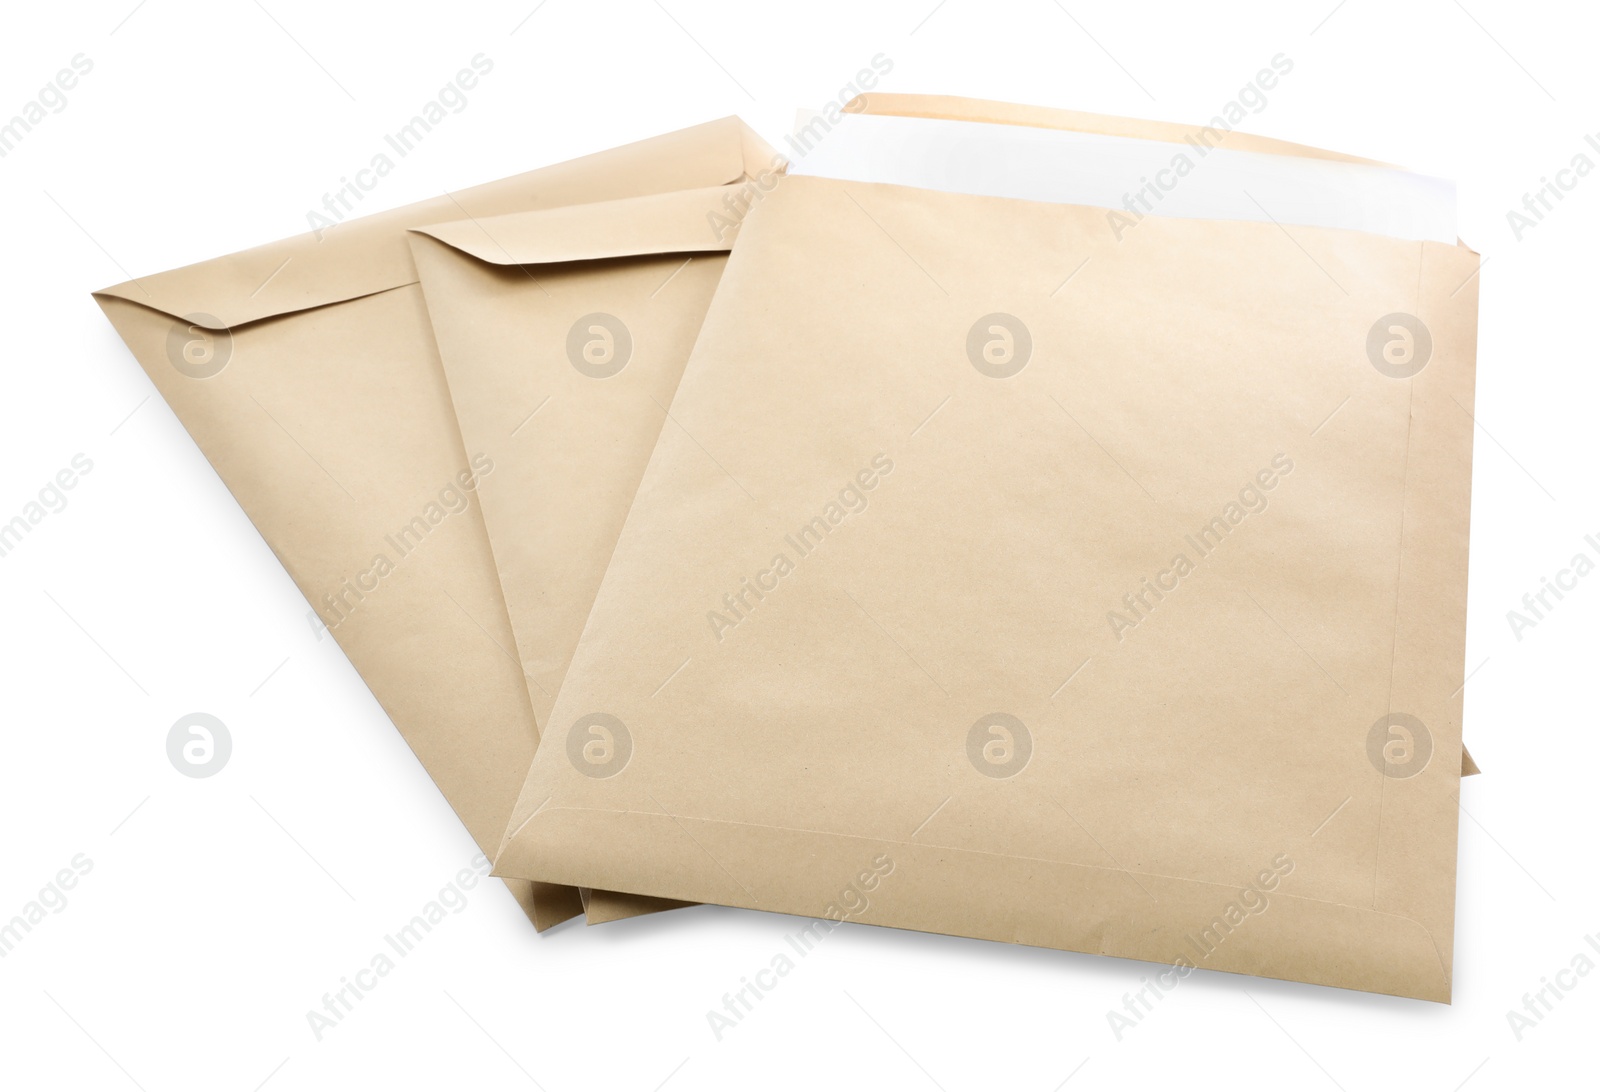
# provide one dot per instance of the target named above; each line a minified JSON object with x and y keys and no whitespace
{"x":306,"y":372}
{"x":569,"y":437}
{"x":563,"y":334}
{"x":955,"y":108}
{"x":940,"y":665}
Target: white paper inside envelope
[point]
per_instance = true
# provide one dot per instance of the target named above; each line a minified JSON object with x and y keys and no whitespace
{"x":1136,"y":178}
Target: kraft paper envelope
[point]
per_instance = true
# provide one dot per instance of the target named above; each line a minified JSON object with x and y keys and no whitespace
{"x":953,"y":108}
{"x":563,"y":334}
{"x":506,"y":335}
{"x":1120,"y":612}
{"x":515,"y":302}
{"x":306,"y":372}
{"x":997,"y":159}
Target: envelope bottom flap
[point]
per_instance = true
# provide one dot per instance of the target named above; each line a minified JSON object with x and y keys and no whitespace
{"x":1185,"y":923}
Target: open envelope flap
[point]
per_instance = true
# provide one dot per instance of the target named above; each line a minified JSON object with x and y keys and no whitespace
{"x":370,"y":254}
{"x":695,"y":221}
{"x":956,"y":108}
{"x":833,"y":708}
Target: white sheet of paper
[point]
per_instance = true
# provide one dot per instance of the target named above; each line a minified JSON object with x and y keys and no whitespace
{"x":1140,"y":177}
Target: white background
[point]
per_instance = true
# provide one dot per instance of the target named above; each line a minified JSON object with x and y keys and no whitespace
{"x":219,"y":911}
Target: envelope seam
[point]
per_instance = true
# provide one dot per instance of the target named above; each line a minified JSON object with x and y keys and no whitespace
{"x":833,"y":835}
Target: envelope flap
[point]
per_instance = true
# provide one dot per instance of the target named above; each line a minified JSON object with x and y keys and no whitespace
{"x":691,"y":221}
{"x":363,"y":256}
{"x":956,"y":108}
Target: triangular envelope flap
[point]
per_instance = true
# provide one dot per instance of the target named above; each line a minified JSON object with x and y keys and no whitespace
{"x":695,"y":221}
{"x":370,"y":254}
{"x":956,"y":108}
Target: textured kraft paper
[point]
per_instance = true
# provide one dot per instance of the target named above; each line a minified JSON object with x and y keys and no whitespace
{"x":569,"y":442}
{"x":927,"y":717}
{"x":563,"y":334}
{"x":306,"y":372}
{"x":955,"y":108}
{"x":564,"y":479}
